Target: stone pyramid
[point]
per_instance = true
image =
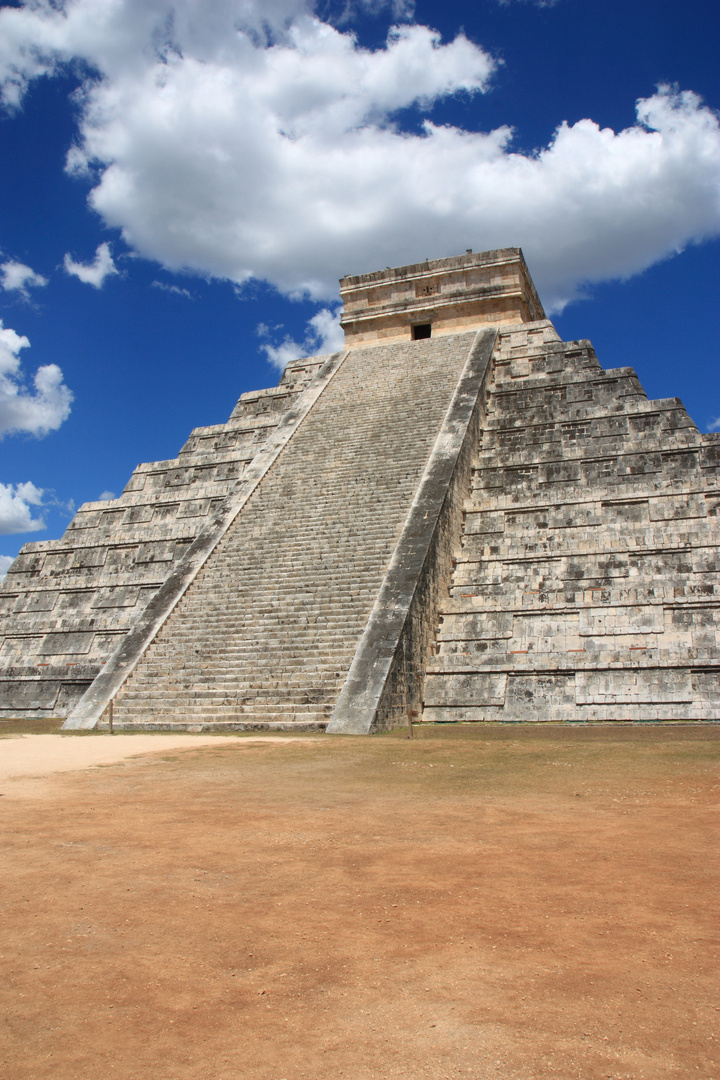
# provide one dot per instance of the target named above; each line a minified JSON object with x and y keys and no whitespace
{"x":459,"y":517}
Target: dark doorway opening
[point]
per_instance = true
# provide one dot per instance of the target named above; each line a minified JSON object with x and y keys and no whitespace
{"x":421,"y":330}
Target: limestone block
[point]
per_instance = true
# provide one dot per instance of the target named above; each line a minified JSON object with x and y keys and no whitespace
{"x":646,"y":619}
{"x":633,"y":687}
{"x":534,"y":696}
{"x":490,"y":624}
{"x":704,"y":562}
{"x":135,"y":483}
{"x":87,"y":557}
{"x":124,"y":596}
{"x":27,"y":563}
{"x":466,"y":689}
{"x":36,"y":601}
{"x":671,"y":507}
{"x":481,"y":523}
{"x":22,"y":695}
{"x":68,"y":643}
{"x":625,"y":512}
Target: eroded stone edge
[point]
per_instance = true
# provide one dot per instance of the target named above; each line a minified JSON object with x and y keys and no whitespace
{"x":125,"y":658}
{"x":384,"y":679}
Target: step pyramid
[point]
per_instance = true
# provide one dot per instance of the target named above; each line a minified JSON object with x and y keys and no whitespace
{"x":458,"y":517}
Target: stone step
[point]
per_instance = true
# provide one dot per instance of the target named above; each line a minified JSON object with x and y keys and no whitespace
{"x":294,"y":579}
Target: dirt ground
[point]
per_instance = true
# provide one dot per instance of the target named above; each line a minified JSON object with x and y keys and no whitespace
{"x":521,"y":904}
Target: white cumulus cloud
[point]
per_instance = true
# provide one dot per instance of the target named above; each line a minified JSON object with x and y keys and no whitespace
{"x":243,"y":140}
{"x":6,"y":562}
{"x":17,"y":277}
{"x":23,"y":411}
{"x":16,"y":503}
{"x":323,"y":335}
{"x":93,"y":273}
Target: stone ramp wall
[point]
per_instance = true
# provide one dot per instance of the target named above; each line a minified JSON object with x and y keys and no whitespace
{"x":265,"y":633}
{"x":586,"y":585}
{"x":66,"y":604}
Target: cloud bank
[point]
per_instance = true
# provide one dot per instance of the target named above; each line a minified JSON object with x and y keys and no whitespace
{"x":239,"y":141}
{"x":21,"y":411}
{"x":16,"y":503}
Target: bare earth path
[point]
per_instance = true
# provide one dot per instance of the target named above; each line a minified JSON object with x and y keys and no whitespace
{"x":523,"y":905}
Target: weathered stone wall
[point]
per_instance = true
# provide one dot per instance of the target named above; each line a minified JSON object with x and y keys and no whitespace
{"x":586,"y":585}
{"x":66,"y":604}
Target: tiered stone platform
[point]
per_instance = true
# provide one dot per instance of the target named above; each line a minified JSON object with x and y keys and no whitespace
{"x":586,"y":582}
{"x":66,"y":604}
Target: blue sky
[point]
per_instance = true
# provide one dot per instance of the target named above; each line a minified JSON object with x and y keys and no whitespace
{"x":183,"y":182}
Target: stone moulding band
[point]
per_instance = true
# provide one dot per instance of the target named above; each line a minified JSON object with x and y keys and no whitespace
{"x":89,"y":710}
{"x":384,"y":678}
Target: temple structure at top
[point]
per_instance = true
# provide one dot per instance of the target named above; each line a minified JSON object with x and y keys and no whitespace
{"x":456,"y":518}
{"x":446,"y":296}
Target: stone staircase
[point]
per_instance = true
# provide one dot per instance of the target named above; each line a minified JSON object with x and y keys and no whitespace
{"x":266,"y":631}
{"x":586,"y":578}
{"x":67,"y":604}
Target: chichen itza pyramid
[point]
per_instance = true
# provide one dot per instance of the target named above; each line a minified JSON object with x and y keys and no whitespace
{"x":459,"y":517}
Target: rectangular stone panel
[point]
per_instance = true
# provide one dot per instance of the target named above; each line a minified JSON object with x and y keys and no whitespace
{"x":526,"y":520}
{"x":672,"y":507}
{"x":75,"y":601}
{"x":543,"y":632}
{"x":490,"y":522}
{"x":165,"y":511}
{"x":85,"y":519}
{"x":636,"y":619}
{"x":638,"y":464}
{"x":519,"y":367}
{"x":57,"y":561}
{"x":469,"y":688}
{"x":633,"y":687}
{"x":85,"y":557}
{"x":136,"y":514}
{"x":125,"y":596}
{"x":152,"y":553}
{"x":491,"y":624}
{"x":705,"y":561}
{"x":179,"y":477}
{"x":560,"y":472}
{"x":36,"y":601}
{"x":16,"y":649}
{"x":706,"y":687}
{"x":28,"y":694}
{"x":111,"y":519}
{"x":70,"y":643}
{"x":28,"y":563}
{"x":121,"y":556}
{"x":194,"y":508}
{"x":571,"y":516}
{"x":230,"y":470}
{"x":528,"y":697}
{"x":623,"y":512}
